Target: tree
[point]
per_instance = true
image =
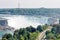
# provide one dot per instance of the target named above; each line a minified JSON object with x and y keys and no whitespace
{"x":56,"y":29}
{"x":31,"y":29}
{"x":7,"y":36}
{"x":54,"y":34}
{"x":16,"y":35}
{"x":4,"y":39}
{"x":29,"y":33}
{"x":39,"y":28}
{"x":57,"y":36}
{"x":47,"y":32}
{"x":45,"y":26}
{"x":50,"y":36}
{"x":21,"y":38}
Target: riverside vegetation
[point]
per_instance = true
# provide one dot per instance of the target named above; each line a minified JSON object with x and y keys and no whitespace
{"x":28,"y":33}
{"x":54,"y":34}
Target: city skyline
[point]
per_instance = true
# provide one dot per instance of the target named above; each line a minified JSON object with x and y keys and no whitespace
{"x":30,"y":3}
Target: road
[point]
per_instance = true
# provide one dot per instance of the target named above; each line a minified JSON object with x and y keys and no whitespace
{"x":42,"y":34}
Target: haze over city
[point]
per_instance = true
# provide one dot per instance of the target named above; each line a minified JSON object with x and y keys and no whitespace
{"x":30,"y":3}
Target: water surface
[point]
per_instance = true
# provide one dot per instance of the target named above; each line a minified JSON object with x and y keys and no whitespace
{"x":22,"y":21}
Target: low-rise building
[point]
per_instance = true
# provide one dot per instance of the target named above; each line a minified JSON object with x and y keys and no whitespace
{"x":4,"y":27}
{"x":4,"y":24}
{"x":52,"y":21}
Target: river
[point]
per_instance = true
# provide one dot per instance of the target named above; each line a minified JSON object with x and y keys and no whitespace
{"x":22,"y":21}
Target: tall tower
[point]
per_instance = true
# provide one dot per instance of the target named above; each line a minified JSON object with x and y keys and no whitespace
{"x":18,"y":4}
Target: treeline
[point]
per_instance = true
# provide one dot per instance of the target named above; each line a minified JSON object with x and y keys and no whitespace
{"x":54,"y":34}
{"x":28,"y":33}
{"x":32,"y":11}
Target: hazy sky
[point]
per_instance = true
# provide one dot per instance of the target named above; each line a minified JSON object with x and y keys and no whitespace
{"x":30,"y":3}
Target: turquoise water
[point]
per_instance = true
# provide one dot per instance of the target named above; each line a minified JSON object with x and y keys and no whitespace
{"x":2,"y":32}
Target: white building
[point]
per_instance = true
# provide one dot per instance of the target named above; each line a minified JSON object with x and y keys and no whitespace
{"x":52,"y":21}
{"x":4,"y":24}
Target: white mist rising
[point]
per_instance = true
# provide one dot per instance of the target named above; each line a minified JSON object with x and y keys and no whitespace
{"x":25,"y":21}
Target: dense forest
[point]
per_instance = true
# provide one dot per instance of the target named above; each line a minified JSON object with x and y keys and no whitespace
{"x":31,"y":33}
{"x":28,"y":33}
{"x":54,"y":34}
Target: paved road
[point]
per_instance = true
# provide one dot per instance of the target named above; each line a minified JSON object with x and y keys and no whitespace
{"x":42,"y":34}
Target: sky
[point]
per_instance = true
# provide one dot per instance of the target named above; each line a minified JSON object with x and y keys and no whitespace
{"x":30,"y":3}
